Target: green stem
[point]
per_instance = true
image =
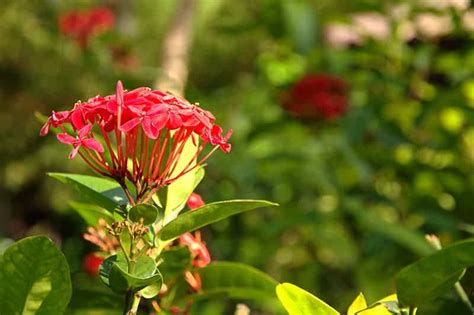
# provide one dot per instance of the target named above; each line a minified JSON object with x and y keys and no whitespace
{"x":132,"y":301}
{"x":463,"y":296}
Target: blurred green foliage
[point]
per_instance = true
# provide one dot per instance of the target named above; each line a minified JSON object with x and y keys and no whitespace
{"x":356,"y":194}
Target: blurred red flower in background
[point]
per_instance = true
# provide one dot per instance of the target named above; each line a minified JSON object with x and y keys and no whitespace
{"x":91,"y":264}
{"x":317,"y":96}
{"x":82,"y":25}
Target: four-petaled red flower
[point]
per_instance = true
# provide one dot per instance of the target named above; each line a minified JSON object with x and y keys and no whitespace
{"x":82,"y":25}
{"x":83,"y":138}
{"x":317,"y":96}
{"x":139,"y":136}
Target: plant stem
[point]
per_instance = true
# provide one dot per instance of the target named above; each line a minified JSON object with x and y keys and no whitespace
{"x":463,"y":296}
{"x":127,"y":192}
{"x":132,"y":301}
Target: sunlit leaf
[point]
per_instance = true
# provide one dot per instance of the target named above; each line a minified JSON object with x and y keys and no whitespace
{"x":300,"y":302}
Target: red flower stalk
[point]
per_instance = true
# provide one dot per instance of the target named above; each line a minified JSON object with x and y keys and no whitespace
{"x":316,"y":96}
{"x":139,"y":136}
{"x":82,"y":25}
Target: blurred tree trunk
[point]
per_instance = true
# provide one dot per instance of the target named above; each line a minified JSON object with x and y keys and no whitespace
{"x":177,"y":42}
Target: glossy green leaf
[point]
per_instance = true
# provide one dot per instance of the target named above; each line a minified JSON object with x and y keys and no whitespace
{"x":300,"y":302}
{"x":34,"y":278}
{"x":148,"y":213}
{"x":114,"y":273}
{"x":91,"y":213}
{"x":235,"y":280}
{"x":97,"y":190}
{"x":432,"y":276}
{"x":208,"y":214}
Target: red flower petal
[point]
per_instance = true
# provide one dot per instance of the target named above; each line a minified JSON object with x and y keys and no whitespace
{"x":84,"y":131}
{"x":74,"y":152}
{"x":65,"y":138}
{"x":119,"y":94}
{"x":151,"y":131}
{"x":159,"y":120}
{"x":93,"y":145}
{"x":77,"y":118}
{"x":129,"y":125}
{"x":45,"y":129}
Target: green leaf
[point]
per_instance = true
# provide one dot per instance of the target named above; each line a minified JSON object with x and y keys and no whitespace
{"x":432,"y":276}
{"x":175,"y":261}
{"x":208,"y":214}
{"x":97,"y":190}
{"x":91,"y":213}
{"x":235,"y":280}
{"x":4,"y":244}
{"x":34,"y":278}
{"x":300,"y":302}
{"x":148,"y":213}
{"x":178,"y":192}
{"x":114,"y":273}
{"x":151,"y":291}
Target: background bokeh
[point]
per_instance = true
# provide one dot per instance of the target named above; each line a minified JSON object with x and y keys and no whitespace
{"x":357,"y":191}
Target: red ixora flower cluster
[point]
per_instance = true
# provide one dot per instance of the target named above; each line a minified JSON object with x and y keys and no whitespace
{"x":81,"y":25}
{"x":317,"y":96}
{"x":139,"y":135}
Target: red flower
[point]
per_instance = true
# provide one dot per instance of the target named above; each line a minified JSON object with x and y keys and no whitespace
{"x":195,"y":201}
{"x":317,"y":95}
{"x":91,"y":264}
{"x":83,"y":139}
{"x":198,"y":249}
{"x":200,"y":256}
{"x":143,"y":133}
{"x":81,"y":25}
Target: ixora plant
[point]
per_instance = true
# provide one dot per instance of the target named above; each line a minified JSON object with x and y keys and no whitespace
{"x":148,"y":148}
